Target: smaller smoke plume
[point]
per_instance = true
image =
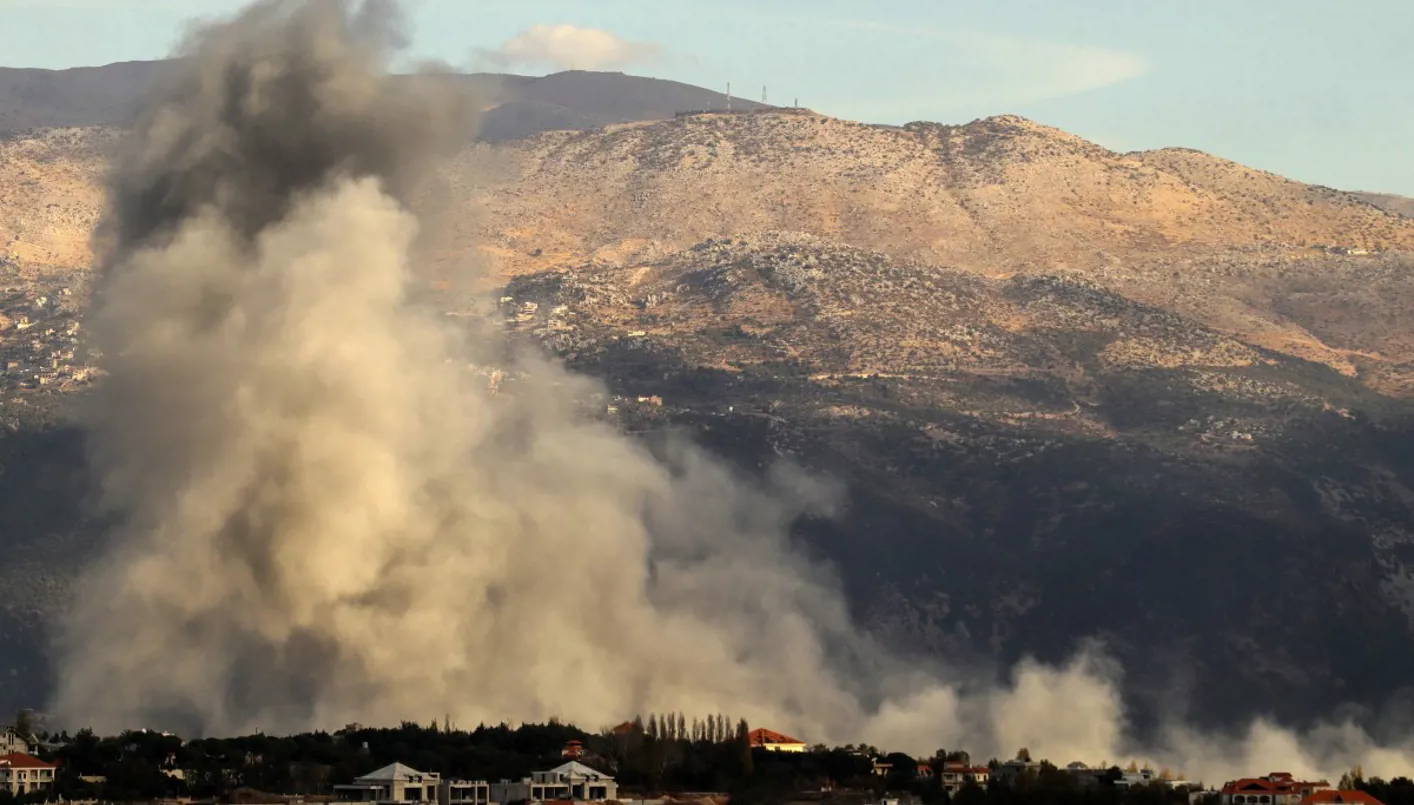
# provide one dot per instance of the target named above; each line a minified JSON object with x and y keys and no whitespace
{"x":327,"y":514}
{"x":568,"y":47}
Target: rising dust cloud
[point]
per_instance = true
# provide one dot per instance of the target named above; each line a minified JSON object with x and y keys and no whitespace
{"x":324,"y":515}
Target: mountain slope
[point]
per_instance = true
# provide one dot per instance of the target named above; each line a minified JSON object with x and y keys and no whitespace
{"x":579,"y":100}
{"x":517,"y":106}
{"x":1181,"y":230}
{"x":1034,"y":458}
{"x":1401,"y":205}
{"x":988,"y":194}
{"x":82,"y":96}
{"x":1157,"y":398}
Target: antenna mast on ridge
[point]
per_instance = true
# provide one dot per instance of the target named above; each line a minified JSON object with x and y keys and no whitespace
{"x":729,"y":96}
{"x":763,"y":93}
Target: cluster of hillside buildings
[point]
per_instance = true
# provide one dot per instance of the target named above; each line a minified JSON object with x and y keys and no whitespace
{"x":41,"y":339}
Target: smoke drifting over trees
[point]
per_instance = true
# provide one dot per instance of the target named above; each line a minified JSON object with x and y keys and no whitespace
{"x":325,"y":515}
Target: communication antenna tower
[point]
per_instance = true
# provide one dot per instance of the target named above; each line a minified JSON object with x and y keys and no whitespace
{"x":729,"y":96}
{"x":763,"y":93}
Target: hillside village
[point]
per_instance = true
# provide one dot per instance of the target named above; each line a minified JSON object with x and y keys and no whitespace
{"x":40,"y":341}
{"x":665,"y":761}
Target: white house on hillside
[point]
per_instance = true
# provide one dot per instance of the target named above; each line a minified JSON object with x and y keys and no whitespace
{"x":392,"y":783}
{"x":572,"y":780}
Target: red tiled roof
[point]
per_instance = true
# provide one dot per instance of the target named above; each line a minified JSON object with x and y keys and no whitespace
{"x":18,"y":760}
{"x":627,"y":726}
{"x":1329,"y":797}
{"x":1251,"y":784}
{"x":761,"y":737}
{"x":1282,"y":785}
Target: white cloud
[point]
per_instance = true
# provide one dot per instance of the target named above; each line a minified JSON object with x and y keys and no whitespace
{"x":1001,"y":71}
{"x":569,"y":47}
{"x":1038,"y":70}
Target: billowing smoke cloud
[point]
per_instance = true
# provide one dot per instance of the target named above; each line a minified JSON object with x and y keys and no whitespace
{"x":329,"y":512}
{"x":568,"y":47}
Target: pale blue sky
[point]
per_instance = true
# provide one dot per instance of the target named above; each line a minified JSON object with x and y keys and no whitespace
{"x":1318,"y":90}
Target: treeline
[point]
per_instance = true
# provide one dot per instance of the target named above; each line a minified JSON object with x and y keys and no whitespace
{"x":665,"y":753}
{"x":140,"y":765}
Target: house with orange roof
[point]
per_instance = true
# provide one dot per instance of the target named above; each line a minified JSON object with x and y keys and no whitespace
{"x":25,"y":774}
{"x":775,"y":741}
{"x":1277,"y":788}
{"x":1342,"y":797}
{"x":957,"y":776}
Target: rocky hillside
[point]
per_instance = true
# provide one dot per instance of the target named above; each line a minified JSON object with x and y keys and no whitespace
{"x":1306,"y":270}
{"x":1034,"y":458}
{"x":1396,"y":204}
{"x":992,"y":194}
{"x":1158,"y":398}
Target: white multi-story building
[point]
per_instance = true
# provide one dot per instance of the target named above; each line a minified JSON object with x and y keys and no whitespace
{"x":464,"y":792}
{"x":572,"y":780}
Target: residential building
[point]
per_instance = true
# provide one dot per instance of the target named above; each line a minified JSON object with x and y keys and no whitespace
{"x":464,"y":792}
{"x":1012,"y":770}
{"x":572,"y":750}
{"x":12,"y":742}
{"x":1277,"y":788}
{"x":1137,"y":777}
{"x":572,"y":781}
{"x":24,"y":774}
{"x":957,"y":776}
{"x":775,"y":741}
{"x":394,"y":783}
{"x":1085,"y":776}
{"x":1333,"y":797}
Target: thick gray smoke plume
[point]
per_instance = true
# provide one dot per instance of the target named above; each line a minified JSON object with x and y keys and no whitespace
{"x":327,"y":513}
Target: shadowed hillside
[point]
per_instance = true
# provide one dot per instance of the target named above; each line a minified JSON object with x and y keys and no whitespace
{"x":1034,"y":459}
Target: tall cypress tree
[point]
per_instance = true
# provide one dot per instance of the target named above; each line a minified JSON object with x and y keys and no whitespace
{"x":743,"y":747}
